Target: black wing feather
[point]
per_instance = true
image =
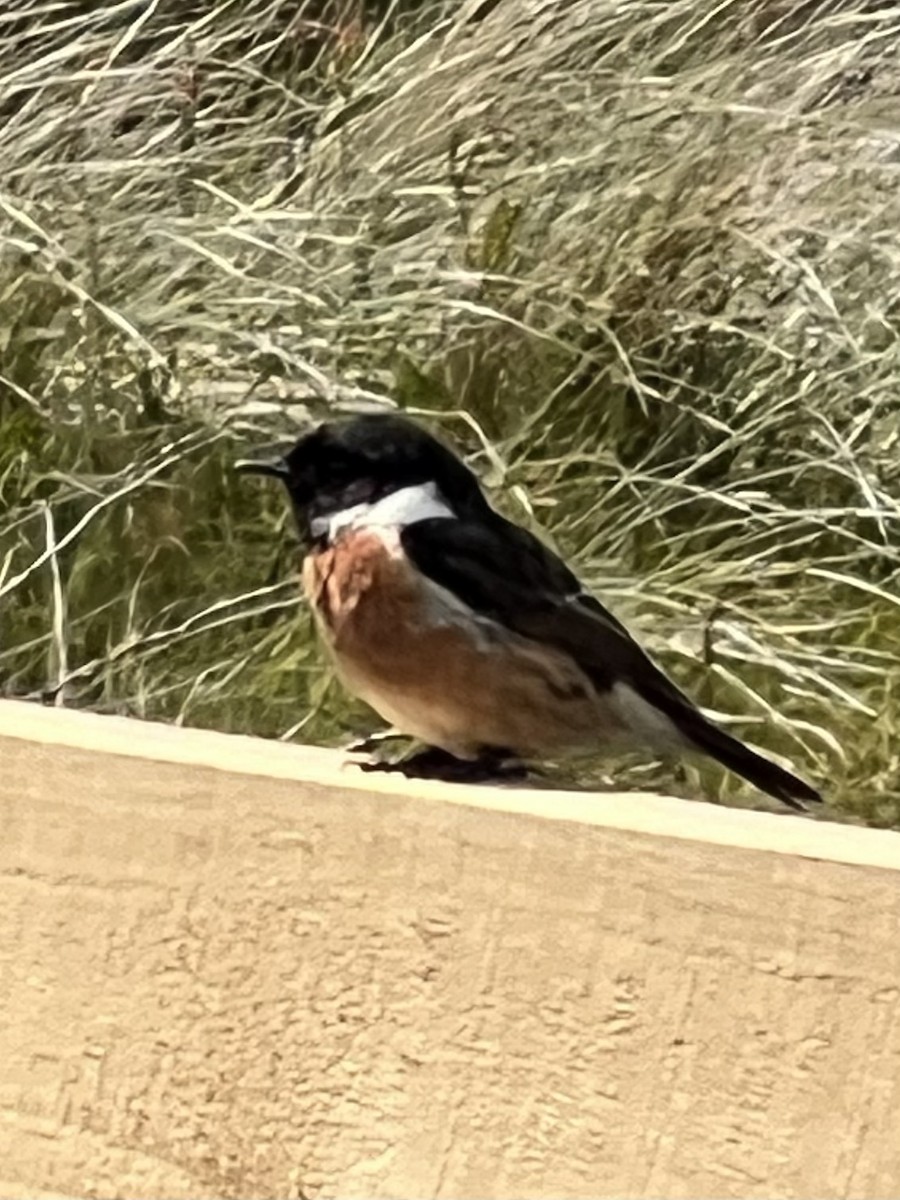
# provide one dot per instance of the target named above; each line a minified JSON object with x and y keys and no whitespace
{"x":503,"y":572}
{"x":506,"y":574}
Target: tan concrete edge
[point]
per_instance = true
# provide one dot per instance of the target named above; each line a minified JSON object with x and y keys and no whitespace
{"x":642,"y":812}
{"x":237,"y":970}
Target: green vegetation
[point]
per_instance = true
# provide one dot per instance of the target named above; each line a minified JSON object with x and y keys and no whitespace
{"x":639,"y":260}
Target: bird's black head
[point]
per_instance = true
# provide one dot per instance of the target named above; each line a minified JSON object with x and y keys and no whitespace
{"x":363,"y":460}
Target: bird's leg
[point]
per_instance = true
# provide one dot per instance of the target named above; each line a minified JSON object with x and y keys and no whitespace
{"x":372,"y":741}
{"x":434,"y":763}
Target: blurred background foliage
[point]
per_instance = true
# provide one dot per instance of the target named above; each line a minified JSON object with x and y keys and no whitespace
{"x":638,"y":261}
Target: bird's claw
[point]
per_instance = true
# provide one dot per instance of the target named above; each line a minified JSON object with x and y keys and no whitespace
{"x":432,"y":763}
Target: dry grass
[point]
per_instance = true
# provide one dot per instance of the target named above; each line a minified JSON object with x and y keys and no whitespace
{"x":639,"y":259}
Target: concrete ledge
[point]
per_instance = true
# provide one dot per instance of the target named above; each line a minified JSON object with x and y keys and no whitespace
{"x":233,"y":968}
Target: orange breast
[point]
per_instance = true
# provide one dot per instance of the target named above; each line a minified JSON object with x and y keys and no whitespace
{"x":428,"y":666}
{"x":363,"y":591}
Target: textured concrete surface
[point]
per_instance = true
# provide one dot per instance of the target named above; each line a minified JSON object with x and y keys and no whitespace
{"x":234,"y":969}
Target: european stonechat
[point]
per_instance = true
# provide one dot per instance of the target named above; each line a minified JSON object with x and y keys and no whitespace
{"x":461,"y":628}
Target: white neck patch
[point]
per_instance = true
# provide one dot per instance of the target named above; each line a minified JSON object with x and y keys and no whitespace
{"x":406,"y":506}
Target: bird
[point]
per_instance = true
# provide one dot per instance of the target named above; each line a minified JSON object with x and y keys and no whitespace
{"x":462,"y":629}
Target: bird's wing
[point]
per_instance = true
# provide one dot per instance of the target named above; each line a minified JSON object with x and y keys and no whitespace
{"x":503,"y":572}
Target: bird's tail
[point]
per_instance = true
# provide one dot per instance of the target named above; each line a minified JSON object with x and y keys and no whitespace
{"x":760,"y":771}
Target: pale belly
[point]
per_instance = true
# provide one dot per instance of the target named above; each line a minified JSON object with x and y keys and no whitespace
{"x":427,"y":665}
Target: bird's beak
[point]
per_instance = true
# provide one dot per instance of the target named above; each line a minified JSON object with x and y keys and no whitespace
{"x":276,"y":468}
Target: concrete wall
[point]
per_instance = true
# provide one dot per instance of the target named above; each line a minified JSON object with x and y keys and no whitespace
{"x":233,"y":969}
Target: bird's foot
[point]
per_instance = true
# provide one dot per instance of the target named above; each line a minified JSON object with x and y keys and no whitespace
{"x":433,"y":763}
